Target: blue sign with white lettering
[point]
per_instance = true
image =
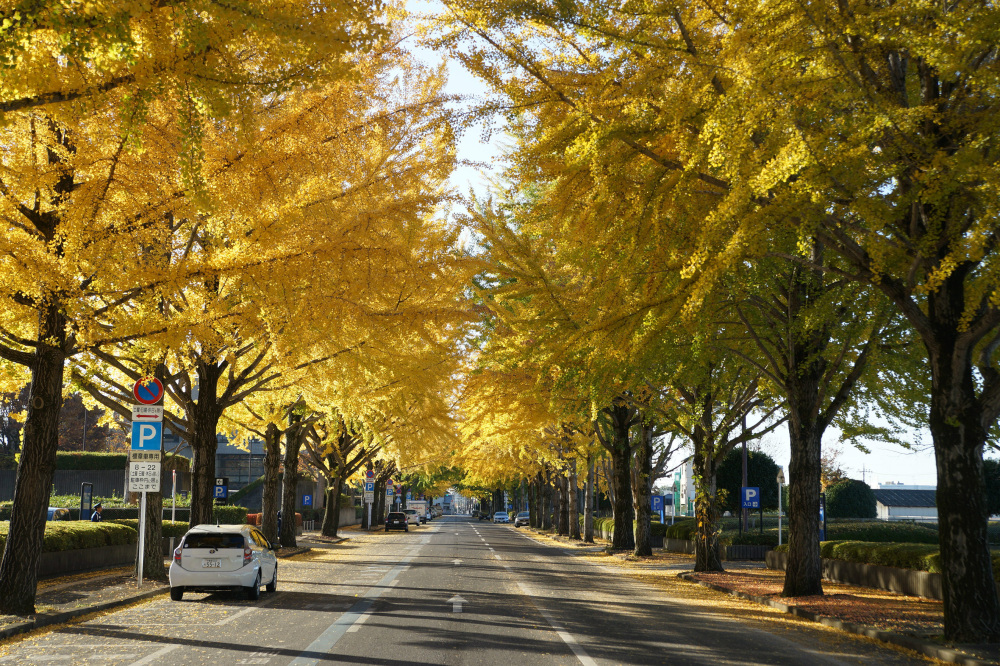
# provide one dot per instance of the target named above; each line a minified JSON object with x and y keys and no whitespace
{"x":369,"y":486}
{"x":657,"y":503}
{"x":751,"y":497}
{"x":307,"y":500}
{"x":221,"y":492}
{"x":146,"y":436}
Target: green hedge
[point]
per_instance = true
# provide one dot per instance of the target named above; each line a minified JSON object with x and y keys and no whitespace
{"x":882,"y":531}
{"x":70,"y":535}
{"x":171,"y":528}
{"x":684,"y":528}
{"x":753,"y":539}
{"x":916,"y":556}
{"x":229,"y":515}
{"x":91,"y":460}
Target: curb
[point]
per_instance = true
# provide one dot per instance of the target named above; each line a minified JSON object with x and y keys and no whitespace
{"x":901,"y":640}
{"x":47,"y":619}
{"x":297,"y":551}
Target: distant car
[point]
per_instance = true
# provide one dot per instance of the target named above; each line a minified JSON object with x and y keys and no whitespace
{"x":522,"y":518}
{"x":396,"y":520}
{"x":501,"y":517}
{"x":223,"y":557}
{"x":413,"y":516}
{"x":56,"y":513}
{"x":483,"y":515}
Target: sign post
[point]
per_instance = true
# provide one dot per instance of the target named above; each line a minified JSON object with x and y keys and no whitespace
{"x":146,"y":452}
{"x":86,"y":500}
{"x":750,"y":500}
{"x":369,"y":493}
{"x":781,"y":482}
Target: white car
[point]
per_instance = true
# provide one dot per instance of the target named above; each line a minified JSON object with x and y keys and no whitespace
{"x":501,"y":517}
{"x":413,"y":517}
{"x":223,"y":557}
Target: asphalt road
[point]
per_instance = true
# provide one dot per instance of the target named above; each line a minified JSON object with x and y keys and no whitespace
{"x":457,"y":591}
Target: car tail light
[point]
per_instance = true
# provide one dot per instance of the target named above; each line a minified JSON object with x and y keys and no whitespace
{"x":177,"y":554}
{"x":247,"y":555}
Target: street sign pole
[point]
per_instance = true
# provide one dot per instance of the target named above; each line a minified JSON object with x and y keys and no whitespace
{"x":142,"y":534}
{"x":369,"y":516}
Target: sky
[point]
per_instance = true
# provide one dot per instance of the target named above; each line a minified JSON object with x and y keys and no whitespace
{"x":883,"y":464}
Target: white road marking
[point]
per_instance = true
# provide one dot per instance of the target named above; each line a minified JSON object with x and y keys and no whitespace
{"x":243,"y":612}
{"x":166,"y":649}
{"x":495,"y":555}
{"x":360,"y":621}
{"x":456,"y":603}
{"x":456,"y":561}
{"x":568,"y":638}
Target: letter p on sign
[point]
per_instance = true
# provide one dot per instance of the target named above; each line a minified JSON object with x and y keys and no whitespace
{"x":146,"y":436}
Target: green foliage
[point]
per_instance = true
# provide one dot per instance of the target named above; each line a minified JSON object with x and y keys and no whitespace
{"x":681,"y":529}
{"x":753,"y":539}
{"x":881,"y":531}
{"x":74,"y":535}
{"x":171,"y":528}
{"x":762,"y":472}
{"x":850,"y":499}
{"x":229,"y":515}
{"x":246,"y":490}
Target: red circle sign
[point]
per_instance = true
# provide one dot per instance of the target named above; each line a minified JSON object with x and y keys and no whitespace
{"x":148,"y":391}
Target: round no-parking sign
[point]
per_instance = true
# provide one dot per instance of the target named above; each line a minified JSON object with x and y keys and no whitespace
{"x":148,"y":391}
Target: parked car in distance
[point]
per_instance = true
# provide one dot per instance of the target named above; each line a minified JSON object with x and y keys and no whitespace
{"x":396,"y":520}
{"x":56,"y":513}
{"x":223,"y":557}
{"x":413,"y":516}
{"x":501,"y":517}
{"x":522,"y":519}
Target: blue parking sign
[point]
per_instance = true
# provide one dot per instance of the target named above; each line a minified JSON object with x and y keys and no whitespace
{"x":307,"y":500}
{"x":657,"y":503}
{"x":751,"y":497}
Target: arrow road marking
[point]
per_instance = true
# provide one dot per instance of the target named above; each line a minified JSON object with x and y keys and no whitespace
{"x":456,"y":561}
{"x":456,"y":603}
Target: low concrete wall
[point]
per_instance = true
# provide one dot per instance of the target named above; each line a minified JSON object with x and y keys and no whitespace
{"x":86,"y":559}
{"x":904,"y":581}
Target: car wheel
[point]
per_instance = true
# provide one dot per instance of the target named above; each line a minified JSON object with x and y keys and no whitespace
{"x":176,"y":593}
{"x":253,"y":592}
{"x":406,"y":529}
{"x":273,"y":585}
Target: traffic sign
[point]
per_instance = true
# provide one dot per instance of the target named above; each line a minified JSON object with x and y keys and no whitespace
{"x":369,"y":491}
{"x":307,"y":500}
{"x":148,"y":390}
{"x":144,"y":477}
{"x":388,"y":491}
{"x":399,"y":489}
{"x":147,"y":436}
{"x":369,"y":474}
{"x":751,"y":497}
{"x":147,"y":412}
{"x":656,"y":503}
{"x":221,"y":490}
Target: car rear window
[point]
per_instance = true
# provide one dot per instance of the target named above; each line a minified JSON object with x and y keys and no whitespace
{"x":214,"y":540}
{"x":395,"y":514}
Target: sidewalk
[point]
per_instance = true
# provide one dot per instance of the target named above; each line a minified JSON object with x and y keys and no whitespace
{"x":67,"y":598}
{"x":909,"y":622}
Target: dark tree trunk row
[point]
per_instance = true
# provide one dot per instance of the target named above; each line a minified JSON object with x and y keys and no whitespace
{"x":642,"y":489}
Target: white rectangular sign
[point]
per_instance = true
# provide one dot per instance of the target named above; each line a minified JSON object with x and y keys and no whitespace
{"x":135,"y":455}
{"x":144,"y":477}
{"x":147,"y":412}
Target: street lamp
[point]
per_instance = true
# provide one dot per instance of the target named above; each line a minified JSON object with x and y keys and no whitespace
{"x":781,"y":482}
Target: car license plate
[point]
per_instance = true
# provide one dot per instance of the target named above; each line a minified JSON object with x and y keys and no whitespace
{"x":210,"y":564}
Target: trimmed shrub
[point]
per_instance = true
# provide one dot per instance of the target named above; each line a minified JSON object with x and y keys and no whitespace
{"x":753,"y":539}
{"x":171,"y":528}
{"x":681,"y":529}
{"x":227,"y":514}
{"x":850,"y":499}
{"x":73,"y":535}
{"x":882,"y":531}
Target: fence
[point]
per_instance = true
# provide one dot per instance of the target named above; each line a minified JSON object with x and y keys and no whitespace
{"x":107,"y":482}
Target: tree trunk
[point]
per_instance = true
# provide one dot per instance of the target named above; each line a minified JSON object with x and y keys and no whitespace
{"x":588,"y":503}
{"x":804,"y":570}
{"x":331,"y":518}
{"x":152,"y":557}
{"x":706,"y":505}
{"x":533,"y":508}
{"x":574,"y":502}
{"x":204,"y":415}
{"x":557,"y":501}
{"x":379,"y":516}
{"x":971,"y":608}
{"x":546,"y":492}
{"x":290,"y":486}
{"x":19,"y":567}
{"x":272,"y":464}
{"x":642,"y":491}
